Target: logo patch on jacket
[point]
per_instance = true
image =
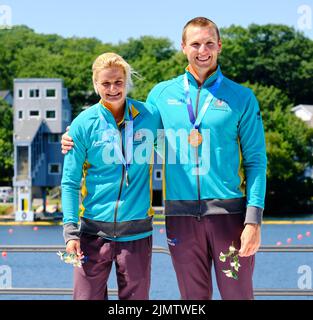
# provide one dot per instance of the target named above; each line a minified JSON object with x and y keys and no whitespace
{"x":139,"y":136}
{"x":174,"y":102}
{"x":220,"y":104}
{"x":106,"y":136}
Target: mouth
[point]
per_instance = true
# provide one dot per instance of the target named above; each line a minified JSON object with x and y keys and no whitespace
{"x":203,"y":59}
{"x":114,"y":96}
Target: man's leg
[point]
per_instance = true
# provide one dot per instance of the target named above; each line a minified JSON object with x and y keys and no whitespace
{"x":223,"y":230}
{"x":90,"y":281}
{"x":191,"y":259}
{"x":133,"y":268}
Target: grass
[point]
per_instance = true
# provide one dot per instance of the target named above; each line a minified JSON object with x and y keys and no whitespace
{"x":159,"y":216}
{"x":6,"y":208}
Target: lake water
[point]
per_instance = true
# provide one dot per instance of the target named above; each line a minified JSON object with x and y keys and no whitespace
{"x":273,"y":270}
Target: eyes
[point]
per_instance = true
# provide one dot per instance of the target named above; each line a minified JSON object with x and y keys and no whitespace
{"x":209,"y":45}
{"x":108,"y":84}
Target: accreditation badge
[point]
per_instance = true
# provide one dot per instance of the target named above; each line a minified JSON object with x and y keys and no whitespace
{"x":195,"y":138}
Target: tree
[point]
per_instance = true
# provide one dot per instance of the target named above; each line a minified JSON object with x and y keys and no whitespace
{"x":274,"y":60}
{"x":270,"y":55}
{"x":135,"y":49}
{"x":6,"y":142}
{"x":289,"y":145}
{"x":24,"y":53}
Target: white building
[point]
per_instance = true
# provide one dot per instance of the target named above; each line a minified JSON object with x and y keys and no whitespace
{"x":305,"y":113}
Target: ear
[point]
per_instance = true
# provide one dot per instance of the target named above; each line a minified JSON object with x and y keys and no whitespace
{"x":95,"y":88}
{"x":183,"y":46}
{"x":219,"y":50}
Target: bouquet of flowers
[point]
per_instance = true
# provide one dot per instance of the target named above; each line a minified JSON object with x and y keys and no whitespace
{"x":71,"y":258}
{"x":233,"y":256}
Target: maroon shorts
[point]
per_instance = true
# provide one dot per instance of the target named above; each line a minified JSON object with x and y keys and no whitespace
{"x":196,"y":244}
{"x":133,"y":268}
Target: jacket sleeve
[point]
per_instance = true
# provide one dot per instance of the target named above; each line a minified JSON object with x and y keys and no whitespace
{"x":71,"y":181}
{"x":252,"y":142}
{"x":159,"y":136}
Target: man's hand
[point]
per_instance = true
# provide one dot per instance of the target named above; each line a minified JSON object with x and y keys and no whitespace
{"x":67,"y":142}
{"x":73,"y":246}
{"x":250,"y":240}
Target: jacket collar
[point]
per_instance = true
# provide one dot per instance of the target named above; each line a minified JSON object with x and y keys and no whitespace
{"x":134,"y":111}
{"x":208,"y":82}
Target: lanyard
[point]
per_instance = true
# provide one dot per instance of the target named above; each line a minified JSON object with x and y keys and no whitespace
{"x":115,"y":141}
{"x":212,"y":90}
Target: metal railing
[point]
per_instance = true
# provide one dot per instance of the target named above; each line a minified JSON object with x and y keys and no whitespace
{"x":156,"y":249}
{"x":50,"y":291}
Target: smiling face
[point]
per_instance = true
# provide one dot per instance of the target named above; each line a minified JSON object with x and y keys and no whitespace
{"x":111,"y":86}
{"x":202,"y":47}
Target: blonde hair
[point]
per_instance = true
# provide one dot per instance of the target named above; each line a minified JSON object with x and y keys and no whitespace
{"x":109,"y":60}
{"x":200,"y":22}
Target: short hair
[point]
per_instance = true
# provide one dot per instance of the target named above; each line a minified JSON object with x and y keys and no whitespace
{"x":200,"y":22}
{"x":109,"y":60}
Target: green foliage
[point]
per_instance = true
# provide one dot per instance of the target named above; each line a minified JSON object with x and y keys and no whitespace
{"x":135,"y":49}
{"x":270,"y":55}
{"x":6,"y":142}
{"x":150,"y":58}
{"x":27,"y":54}
{"x":289,"y":145}
{"x":6,"y":209}
{"x":275,"y":61}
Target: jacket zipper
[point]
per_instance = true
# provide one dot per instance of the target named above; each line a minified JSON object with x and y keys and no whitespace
{"x":197,"y":159}
{"x":119,"y":193}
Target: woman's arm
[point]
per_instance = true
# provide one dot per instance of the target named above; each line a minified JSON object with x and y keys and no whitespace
{"x":71,"y":181}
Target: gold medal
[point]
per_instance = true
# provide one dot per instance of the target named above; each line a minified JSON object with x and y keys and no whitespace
{"x":195,"y":138}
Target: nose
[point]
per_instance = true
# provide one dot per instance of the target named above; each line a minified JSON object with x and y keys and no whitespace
{"x":203,"y":48}
{"x":113,"y":86}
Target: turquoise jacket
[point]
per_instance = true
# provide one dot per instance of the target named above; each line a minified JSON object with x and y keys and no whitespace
{"x":227,"y":172}
{"x":109,"y":207}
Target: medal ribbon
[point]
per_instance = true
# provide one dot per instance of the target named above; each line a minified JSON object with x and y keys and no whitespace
{"x":129,"y":128}
{"x":212,"y":90}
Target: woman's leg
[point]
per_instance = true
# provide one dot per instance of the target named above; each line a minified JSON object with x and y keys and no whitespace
{"x":133,"y":268}
{"x":90,"y":281}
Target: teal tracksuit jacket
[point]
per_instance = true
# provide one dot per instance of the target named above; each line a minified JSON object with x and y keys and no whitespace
{"x":227,"y":172}
{"x":109,"y":207}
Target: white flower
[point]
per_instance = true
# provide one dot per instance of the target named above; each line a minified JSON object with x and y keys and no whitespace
{"x":232,"y":249}
{"x":70,"y":258}
{"x":236,"y":265}
{"x":228,"y":273}
{"x":234,"y":262}
{"x":222,"y":257}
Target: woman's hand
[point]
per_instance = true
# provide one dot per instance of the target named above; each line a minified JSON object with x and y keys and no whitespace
{"x":73,"y":246}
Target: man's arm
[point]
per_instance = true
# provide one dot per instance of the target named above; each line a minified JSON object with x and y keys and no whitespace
{"x":252,"y":142}
{"x":66,"y":142}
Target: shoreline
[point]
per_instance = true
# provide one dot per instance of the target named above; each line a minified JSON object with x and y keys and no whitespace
{"x":8,"y":220}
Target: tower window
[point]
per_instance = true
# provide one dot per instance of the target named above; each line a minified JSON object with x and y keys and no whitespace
{"x":54,"y":168}
{"x":34,"y":93}
{"x":50,"y":114}
{"x":34,"y":113}
{"x":50,"y":93}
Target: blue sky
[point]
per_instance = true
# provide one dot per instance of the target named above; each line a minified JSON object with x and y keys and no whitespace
{"x":114,"y":21}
